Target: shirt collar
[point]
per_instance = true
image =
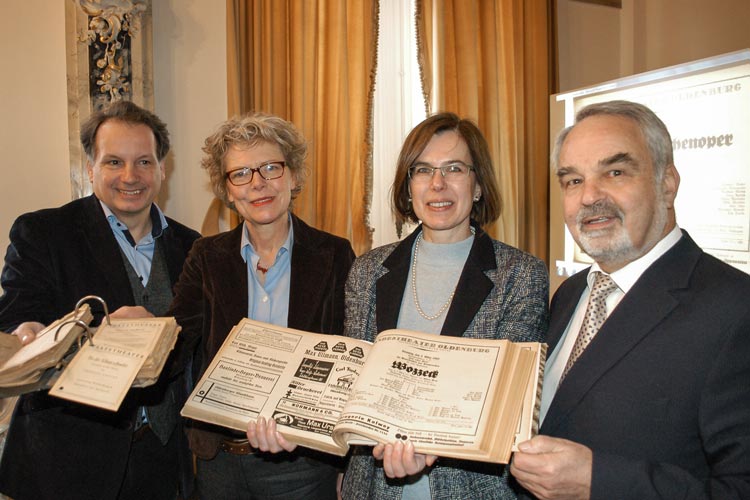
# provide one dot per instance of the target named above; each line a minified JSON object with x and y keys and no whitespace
{"x":626,"y":277}
{"x":158,"y":221}
{"x":247,"y":249}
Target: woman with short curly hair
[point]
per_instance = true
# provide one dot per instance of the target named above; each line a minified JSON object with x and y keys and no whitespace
{"x":273,"y":268}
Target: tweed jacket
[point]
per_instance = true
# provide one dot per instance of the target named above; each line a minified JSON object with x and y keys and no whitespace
{"x":662,"y":393}
{"x":55,"y":257}
{"x":211,"y":297}
{"x":502,"y":293}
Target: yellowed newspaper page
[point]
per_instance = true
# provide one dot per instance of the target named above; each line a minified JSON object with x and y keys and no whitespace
{"x":435,"y":391}
{"x":44,"y":343}
{"x":27,"y":363}
{"x":9,"y":346}
{"x":300,"y":379}
{"x":103,"y":371}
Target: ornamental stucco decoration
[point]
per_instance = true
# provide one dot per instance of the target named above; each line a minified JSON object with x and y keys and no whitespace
{"x":108,"y":47}
{"x":111,"y":25}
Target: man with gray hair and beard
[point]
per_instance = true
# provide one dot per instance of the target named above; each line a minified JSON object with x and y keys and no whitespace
{"x":647,"y":388}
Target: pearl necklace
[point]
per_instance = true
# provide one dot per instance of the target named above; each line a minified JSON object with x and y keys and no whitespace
{"x":414,"y":283}
{"x":414,"y":287}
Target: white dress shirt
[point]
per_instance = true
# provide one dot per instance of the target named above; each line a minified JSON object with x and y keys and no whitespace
{"x":624,"y":278}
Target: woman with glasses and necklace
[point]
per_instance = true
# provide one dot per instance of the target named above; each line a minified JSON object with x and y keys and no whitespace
{"x":448,"y":278}
{"x":273,"y":268}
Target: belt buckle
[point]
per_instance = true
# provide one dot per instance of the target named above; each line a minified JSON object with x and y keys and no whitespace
{"x":236,"y":446}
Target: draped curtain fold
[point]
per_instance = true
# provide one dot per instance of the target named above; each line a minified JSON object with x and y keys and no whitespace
{"x":313,"y":63}
{"x":493,"y":61}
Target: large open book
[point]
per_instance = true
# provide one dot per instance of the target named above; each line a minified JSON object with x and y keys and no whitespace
{"x":450,"y":396}
{"x":91,"y":366}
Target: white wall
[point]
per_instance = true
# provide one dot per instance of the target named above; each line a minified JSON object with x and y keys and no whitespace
{"x":598,"y":43}
{"x":588,"y":43}
{"x":34,"y":166}
{"x":190,"y":95}
{"x":669,"y":32}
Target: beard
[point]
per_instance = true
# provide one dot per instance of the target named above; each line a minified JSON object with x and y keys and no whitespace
{"x":615,"y":244}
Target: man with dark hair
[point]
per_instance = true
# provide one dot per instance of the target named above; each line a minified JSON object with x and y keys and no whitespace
{"x":647,"y":388}
{"x":116,"y":244}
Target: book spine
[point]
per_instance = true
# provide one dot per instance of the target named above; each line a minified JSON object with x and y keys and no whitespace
{"x":540,"y":380}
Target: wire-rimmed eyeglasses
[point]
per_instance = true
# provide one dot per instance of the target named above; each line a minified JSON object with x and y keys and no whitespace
{"x":452,"y":171}
{"x":268,"y":171}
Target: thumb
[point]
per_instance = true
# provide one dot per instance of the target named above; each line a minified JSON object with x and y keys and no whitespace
{"x":534,"y":445}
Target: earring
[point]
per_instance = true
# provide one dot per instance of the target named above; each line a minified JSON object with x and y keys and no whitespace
{"x":476,"y":198}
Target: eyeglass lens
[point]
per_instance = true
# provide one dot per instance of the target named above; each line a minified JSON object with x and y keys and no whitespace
{"x":268,"y":171}
{"x":451,"y":171}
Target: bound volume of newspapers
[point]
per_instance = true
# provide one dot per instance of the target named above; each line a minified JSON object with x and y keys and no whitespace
{"x":450,"y":396}
{"x":93,"y":366}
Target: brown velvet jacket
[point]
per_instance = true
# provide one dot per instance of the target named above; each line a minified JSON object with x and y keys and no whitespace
{"x":211,"y":297}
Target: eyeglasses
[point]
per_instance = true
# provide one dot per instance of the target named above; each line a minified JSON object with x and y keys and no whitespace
{"x":268,"y":171}
{"x":451,"y":172}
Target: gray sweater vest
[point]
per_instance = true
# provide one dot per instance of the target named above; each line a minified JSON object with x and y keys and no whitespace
{"x":156,"y":297}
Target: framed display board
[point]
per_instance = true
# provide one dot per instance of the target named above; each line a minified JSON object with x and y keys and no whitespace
{"x":706,"y":107}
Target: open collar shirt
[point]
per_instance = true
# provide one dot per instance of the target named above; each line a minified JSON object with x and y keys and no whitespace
{"x":268,"y":302}
{"x":139,"y":253}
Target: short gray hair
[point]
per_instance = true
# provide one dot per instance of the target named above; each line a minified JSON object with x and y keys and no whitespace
{"x":658,"y":140}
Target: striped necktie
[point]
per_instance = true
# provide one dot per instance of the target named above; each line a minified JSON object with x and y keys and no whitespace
{"x":593,"y":319}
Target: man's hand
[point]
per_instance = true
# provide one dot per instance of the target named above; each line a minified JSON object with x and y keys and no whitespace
{"x":553,"y":468}
{"x":27,"y":331}
{"x":264,"y":436}
{"x":130,"y":312}
{"x":399,"y":460}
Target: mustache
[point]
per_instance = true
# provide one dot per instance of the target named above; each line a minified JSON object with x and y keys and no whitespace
{"x":599,"y":209}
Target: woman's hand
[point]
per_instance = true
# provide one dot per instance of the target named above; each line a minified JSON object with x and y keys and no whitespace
{"x":264,"y":436}
{"x":399,"y":460}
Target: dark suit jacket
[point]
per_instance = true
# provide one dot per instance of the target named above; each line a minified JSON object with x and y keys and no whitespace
{"x":502,"y":293}
{"x":211,"y":298}
{"x":55,"y":448}
{"x":662,"y":393}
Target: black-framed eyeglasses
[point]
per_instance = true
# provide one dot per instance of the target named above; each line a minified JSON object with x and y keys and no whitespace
{"x":269,"y":171}
{"x":452,"y":171}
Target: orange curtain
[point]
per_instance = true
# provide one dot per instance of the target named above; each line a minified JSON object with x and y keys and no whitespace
{"x":313,"y":63}
{"x":492,"y":61}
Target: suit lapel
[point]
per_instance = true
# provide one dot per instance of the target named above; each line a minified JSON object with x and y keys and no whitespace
{"x":227,"y":263}
{"x":174,"y":253}
{"x":473,"y":286}
{"x":96,"y":234}
{"x":311,"y":264}
{"x":564,"y":303}
{"x":653,"y":297}
{"x":390,"y":287}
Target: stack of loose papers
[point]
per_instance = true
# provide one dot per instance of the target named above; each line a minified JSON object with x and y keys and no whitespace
{"x":124,"y":353}
{"x":23,"y":368}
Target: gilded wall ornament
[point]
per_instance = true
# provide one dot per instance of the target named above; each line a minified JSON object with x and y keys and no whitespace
{"x":109,"y":58}
{"x":111,"y":25}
